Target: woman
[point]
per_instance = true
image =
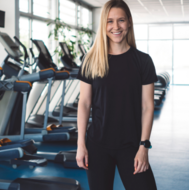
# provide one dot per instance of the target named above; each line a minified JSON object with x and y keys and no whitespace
{"x":117,"y":80}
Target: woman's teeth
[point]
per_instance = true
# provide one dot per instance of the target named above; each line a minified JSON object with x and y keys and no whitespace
{"x":117,"y":33}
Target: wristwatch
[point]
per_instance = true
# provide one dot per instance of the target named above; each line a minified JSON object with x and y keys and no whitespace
{"x":146,"y":144}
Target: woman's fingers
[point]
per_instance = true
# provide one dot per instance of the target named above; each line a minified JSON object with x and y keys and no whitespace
{"x":80,"y":163}
{"x":138,"y":167}
{"x":142,"y":167}
{"x":135,"y":165}
{"x":145,"y":168}
{"x":82,"y":157}
{"x":86,"y":161}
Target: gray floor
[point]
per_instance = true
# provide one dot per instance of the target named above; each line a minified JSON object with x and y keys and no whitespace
{"x":169,"y":156}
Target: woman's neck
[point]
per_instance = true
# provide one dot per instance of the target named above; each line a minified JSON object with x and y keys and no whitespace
{"x":117,"y":48}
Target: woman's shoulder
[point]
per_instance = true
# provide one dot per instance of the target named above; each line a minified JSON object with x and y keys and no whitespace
{"x":141,"y":54}
{"x":141,"y":59}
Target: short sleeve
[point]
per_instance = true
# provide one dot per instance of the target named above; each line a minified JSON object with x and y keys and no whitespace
{"x":83,"y":77}
{"x":148,"y":72}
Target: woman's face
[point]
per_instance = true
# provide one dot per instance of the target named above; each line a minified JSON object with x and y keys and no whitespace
{"x":117,"y":25}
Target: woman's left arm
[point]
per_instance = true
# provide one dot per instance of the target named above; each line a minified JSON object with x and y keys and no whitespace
{"x":141,"y":163}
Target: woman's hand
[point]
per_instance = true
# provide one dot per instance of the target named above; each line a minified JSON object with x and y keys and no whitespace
{"x":82,"y":154}
{"x":141,"y":163}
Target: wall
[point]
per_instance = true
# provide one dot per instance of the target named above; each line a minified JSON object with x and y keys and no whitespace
{"x":10,"y":19}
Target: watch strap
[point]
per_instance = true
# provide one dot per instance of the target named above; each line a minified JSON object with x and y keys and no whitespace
{"x":146,"y":144}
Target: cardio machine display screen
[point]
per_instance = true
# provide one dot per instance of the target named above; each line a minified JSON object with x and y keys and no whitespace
{"x":2,"y":19}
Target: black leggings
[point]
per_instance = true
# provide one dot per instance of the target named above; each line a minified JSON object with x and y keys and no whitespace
{"x":101,"y":169}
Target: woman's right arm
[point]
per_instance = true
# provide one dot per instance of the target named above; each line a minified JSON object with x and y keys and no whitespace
{"x":84,"y":106}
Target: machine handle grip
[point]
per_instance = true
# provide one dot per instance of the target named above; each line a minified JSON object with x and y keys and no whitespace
{"x":12,"y":153}
{"x":25,"y":50}
{"x":46,"y":73}
{"x":31,"y":51}
{"x":22,"y":86}
{"x":62,"y":75}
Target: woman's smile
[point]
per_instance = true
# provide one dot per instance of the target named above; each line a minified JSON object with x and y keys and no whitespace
{"x":117,"y":33}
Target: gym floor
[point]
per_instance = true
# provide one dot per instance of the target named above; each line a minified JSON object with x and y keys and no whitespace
{"x":169,"y":156}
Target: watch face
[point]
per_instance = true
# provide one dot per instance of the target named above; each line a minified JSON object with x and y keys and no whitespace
{"x":147,"y":144}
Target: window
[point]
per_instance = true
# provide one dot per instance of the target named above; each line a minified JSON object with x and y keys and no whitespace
{"x":69,"y":35}
{"x":142,"y":45}
{"x":161,"y":53}
{"x":24,"y":32}
{"x":67,"y":11}
{"x":160,"y":31}
{"x":85,"y":18}
{"x":141,"y":36}
{"x":181,"y":31}
{"x":167,"y":44}
{"x":24,"y":6}
{"x":34,"y":23}
{"x":40,"y":31}
{"x":44,"y":8}
{"x":141,"y":32}
{"x":181,"y":62}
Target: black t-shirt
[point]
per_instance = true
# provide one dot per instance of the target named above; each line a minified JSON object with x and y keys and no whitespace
{"x":117,"y":98}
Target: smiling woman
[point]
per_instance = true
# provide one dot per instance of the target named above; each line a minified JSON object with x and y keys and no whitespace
{"x":117,"y":80}
{"x":117,"y":29}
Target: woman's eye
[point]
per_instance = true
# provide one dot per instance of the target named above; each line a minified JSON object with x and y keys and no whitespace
{"x":109,"y":21}
{"x":122,"y":20}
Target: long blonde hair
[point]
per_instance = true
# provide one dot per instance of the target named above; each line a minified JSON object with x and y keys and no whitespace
{"x":95,"y":62}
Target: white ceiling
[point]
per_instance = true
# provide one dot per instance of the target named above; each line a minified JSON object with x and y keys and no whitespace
{"x":150,"y":11}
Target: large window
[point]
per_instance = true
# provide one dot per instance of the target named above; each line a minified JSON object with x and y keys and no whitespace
{"x":181,"y":31}
{"x":167,"y":44}
{"x":141,"y":32}
{"x":35,"y":14}
{"x":24,"y":5}
{"x":181,"y":62}
{"x":40,"y":31}
{"x":161,"y":53}
{"x":160,"y":32}
{"x":141,"y":36}
{"x":24,"y":31}
{"x":85,"y":18}
{"x":44,"y":8}
{"x":67,"y":12}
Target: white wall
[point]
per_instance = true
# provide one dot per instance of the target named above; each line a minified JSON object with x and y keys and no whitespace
{"x":9,"y":7}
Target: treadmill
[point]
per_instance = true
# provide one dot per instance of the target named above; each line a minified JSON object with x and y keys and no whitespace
{"x":67,"y":158}
{"x":40,"y":182}
{"x":72,"y":97}
{"x":37,"y":182}
{"x":82,"y":50}
{"x":9,"y":86}
{"x":38,"y":110}
{"x":11,"y":98}
{"x":26,"y":144}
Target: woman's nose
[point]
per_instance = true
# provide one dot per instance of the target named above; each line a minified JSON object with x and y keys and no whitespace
{"x":116,"y":25}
